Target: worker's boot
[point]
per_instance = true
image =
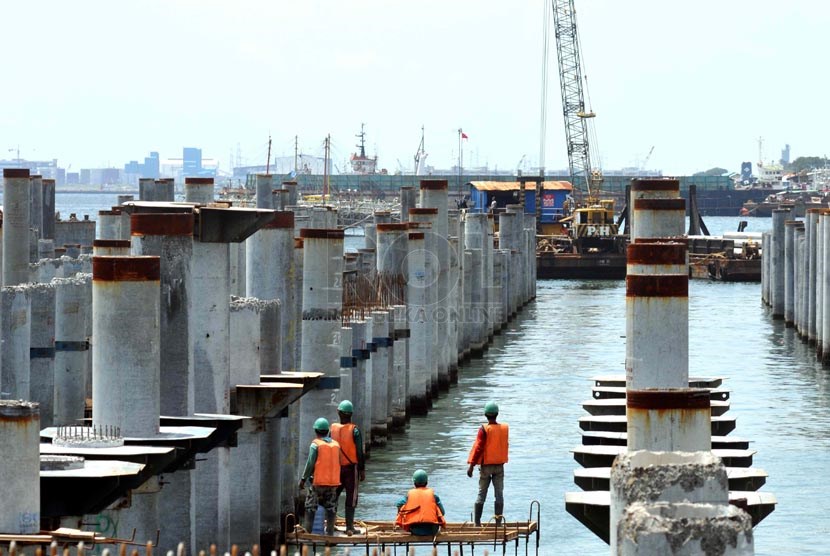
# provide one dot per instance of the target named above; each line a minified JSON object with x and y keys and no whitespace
{"x":499,"y":508}
{"x":350,"y":520}
{"x":330,"y":519}
{"x":479,"y":509}
{"x":308,"y":523}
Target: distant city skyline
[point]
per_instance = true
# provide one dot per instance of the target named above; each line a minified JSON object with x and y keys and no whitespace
{"x":693,"y":84}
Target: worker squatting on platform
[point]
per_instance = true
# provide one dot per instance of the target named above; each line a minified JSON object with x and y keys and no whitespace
{"x":420,"y":512}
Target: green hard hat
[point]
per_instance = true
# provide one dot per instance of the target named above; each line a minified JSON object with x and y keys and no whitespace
{"x":420,"y":478}
{"x":321,"y":425}
{"x":491,"y":408}
{"x":346,"y":407}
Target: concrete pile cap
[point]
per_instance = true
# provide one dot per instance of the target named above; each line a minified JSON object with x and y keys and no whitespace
{"x":644,"y":475}
{"x":434,"y":184}
{"x":125,"y":269}
{"x":161,"y":224}
{"x":714,"y":526}
{"x":15,"y":409}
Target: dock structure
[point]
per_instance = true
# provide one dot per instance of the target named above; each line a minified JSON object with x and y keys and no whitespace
{"x":660,"y":475}
{"x":204,"y":339}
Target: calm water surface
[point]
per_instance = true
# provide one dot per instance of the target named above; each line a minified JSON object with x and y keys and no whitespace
{"x":539,"y":370}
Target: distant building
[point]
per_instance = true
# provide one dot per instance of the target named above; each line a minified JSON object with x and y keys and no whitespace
{"x":150,"y":168}
{"x":45,"y":168}
{"x":192,"y":164}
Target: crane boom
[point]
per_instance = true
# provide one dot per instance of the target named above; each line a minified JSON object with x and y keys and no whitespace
{"x":583,"y":176}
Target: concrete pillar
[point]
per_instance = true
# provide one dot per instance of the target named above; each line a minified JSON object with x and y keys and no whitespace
{"x":409,"y":199}
{"x":169,"y":236}
{"x":146,"y":189}
{"x":238,"y":253}
{"x":124,"y":199}
{"x":47,"y":230}
{"x":475,"y":237}
{"x":279,"y":199}
{"x":165,"y":190}
{"x":420,"y":325}
{"x":681,"y":529}
{"x":348,"y":363}
{"x":19,"y":468}
{"x":453,"y":294}
{"x":42,"y":350}
{"x":669,"y":419}
{"x":658,"y":220}
{"x":45,"y":249}
{"x":111,"y":248}
{"x":824,"y":346}
{"x":789,"y":271}
{"x":657,"y":316}
{"x":210,"y":329}
{"x":322,"y":305}
{"x":247,"y":319}
{"x":820,"y":247}
{"x":800,"y":279}
{"x":370,"y":236}
{"x":270,"y":264}
{"x":198,"y":190}
{"x":400,"y":369}
{"x":125,"y":357}
{"x":426,"y":219}
{"x":392,"y":242}
{"x":360,"y":381}
{"x":291,"y":187}
{"x":15,"y":226}
{"x":507,"y":242}
{"x":669,"y":477}
{"x":72,"y":313}
{"x":15,"y":337}
{"x":779,"y":216}
{"x":36,"y":204}
{"x":812,"y":258}
{"x":379,"y":364}
{"x":765,"y":268}
{"x":466,"y":320}
{"x":434,"y":194}
{"x":108,"y":225}
{"x":264,"y":184}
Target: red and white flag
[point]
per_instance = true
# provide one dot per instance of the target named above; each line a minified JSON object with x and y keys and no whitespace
{"x":464,"y":135}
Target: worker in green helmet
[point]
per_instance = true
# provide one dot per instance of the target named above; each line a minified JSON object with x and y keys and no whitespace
{"x":489,"y":452}
{"x":420,"y":512}
{"x":323,"y":468}
{"x":352,"y":466}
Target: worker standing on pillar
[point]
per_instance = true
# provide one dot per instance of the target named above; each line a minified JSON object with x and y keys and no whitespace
{"x":420,"y":512}
{"x":490,"y":452}
{"x":352,"y":468}
{"x":323,"y":467}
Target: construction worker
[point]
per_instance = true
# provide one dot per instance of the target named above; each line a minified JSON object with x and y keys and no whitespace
{"x":323,"y":467}
{"x":420,"y":512}
{"x":490,"y":452}
{"x":352,"y":469}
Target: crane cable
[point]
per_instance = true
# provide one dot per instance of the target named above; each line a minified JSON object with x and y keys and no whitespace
{"x":544,"y":110}
{"x":592,"y":133}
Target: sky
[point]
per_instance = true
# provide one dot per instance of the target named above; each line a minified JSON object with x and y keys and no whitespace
{"x":97,"y":83}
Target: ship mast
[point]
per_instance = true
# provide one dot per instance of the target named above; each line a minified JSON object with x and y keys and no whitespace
{"x":362,"y":145}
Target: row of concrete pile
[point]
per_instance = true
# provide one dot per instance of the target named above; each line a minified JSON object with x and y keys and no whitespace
{"x":795,"y":279}
{"x":209,"y":338}
{"x":665,"y":492}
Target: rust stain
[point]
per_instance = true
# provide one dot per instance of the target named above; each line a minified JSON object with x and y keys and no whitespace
{"x":392,"y":227}
{"x":198,"y":181}
{"x":162,"y":224}
{"x":434,"y":185}
{"x":113,"y":212}
{"x":15,"y":172}
{"x":655,"y":185}
{"x":416,"y":235}
{"x":668,"y":399}
{"x":321,"y":233}
{"x":111,"y":243}
{"x":298,"y":243}
{"x":419,"y":210}
{"x":659,"y":204}
{"x":282,"y":219}
{"x":125,"y":269}
{"x":657,"y":253}
{"x":668,"y":285}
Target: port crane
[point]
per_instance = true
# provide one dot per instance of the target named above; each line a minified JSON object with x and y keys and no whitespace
{"x":593,"y":219}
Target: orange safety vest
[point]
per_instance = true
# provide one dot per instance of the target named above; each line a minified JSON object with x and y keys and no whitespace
{"x":344,"y":435}
{"x":420,"y":507}
{"x":495,"y":447}
{"x":327,"y":466}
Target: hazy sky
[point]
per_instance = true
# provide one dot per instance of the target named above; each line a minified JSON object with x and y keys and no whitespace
{"x":101,"y":82}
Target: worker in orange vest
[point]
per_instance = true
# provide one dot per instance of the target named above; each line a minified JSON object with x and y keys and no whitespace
{"x":323,"y":468}
{"x":420,"y":512}
{"x":490,"y":452}
{"x":352,"y":467}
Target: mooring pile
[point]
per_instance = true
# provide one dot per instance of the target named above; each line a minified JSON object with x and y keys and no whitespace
{"x":660,"y":475}
{"x":171,"y":378}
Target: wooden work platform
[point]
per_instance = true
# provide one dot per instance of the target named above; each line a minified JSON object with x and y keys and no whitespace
{"x":382,"y":534}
